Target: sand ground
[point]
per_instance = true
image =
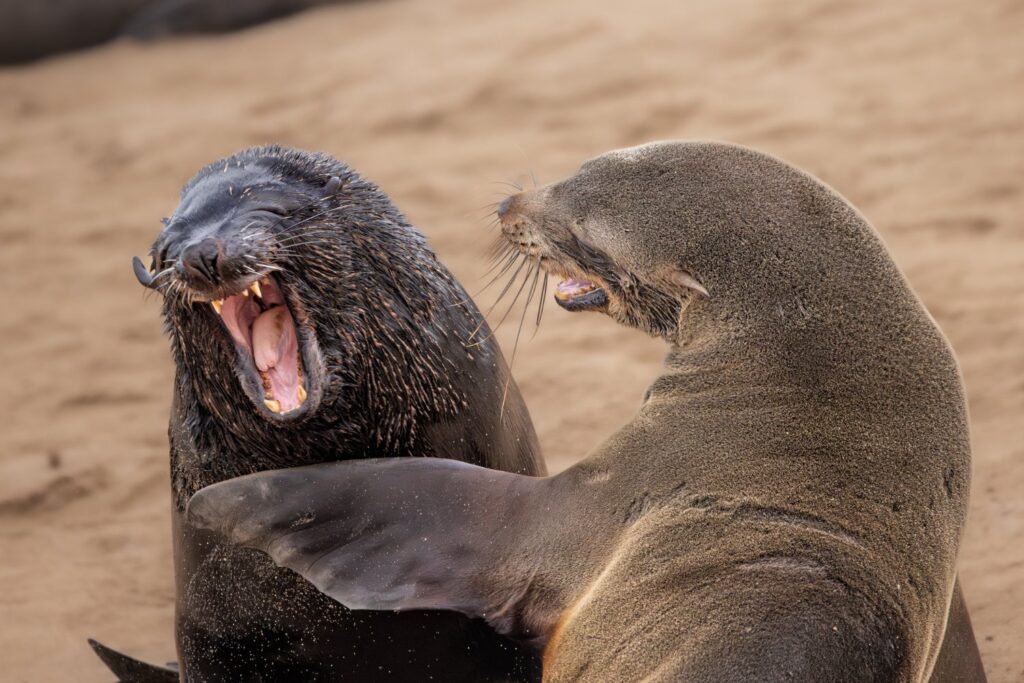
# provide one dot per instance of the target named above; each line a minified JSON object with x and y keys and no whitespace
{"x":911,"y":109}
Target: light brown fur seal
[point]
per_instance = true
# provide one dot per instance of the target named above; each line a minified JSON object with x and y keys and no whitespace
{"x":786,"y":505}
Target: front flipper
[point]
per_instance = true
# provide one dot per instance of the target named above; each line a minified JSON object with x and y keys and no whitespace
{"x":391,"y":534}
{"x":131,"y":670}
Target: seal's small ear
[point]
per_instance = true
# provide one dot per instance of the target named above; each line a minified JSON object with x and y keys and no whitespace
{"x":332,"y":185}
{"x":142,"y":274}
{"x":683,"y":279}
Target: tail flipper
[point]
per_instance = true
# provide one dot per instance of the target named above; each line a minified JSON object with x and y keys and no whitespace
{"x":129,"y":670}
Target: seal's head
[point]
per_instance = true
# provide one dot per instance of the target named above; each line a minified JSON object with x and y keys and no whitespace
{"x":591,"y":229}
{"x":225,"y":263}
{"x":291,"y":287}
{"x":647,"y":232}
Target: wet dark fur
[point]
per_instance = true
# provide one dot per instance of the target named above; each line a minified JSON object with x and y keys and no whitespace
{"x":395,"y":375}
{"x":387,"y":317}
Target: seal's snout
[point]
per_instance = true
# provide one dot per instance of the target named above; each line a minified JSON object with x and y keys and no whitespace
{"x":204,"y":262}
{"x":514,"y":222}
{"x":506,"y":206}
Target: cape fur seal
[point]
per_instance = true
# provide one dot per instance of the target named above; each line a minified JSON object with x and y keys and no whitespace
{"x":787,"y":503}
{"x":309,"y":321}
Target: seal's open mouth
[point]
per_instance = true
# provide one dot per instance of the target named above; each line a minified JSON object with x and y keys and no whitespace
{"x":264,"y":330}
{"x":581,"y":295}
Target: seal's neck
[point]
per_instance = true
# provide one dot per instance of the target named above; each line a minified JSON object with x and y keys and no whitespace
{"x":833,"y":320}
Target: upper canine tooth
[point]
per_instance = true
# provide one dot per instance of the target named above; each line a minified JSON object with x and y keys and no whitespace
{"x":302,"y":393}
{"x":255,"y":287}
{"x":217,"y":303}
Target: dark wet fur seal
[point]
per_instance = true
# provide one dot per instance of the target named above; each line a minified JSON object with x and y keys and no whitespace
{"x":787,"y":503}
{"x":368,"y":353}
{"x":31,"y":29}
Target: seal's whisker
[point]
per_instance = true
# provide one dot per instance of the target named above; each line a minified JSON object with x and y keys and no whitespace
{"x":298,"y":244}
{"x":316,"y":229}
{"x":516,"y":186}
{"x":163,"y":273}
{"x":488,"y":209}
{"x":244,"y":233}
{"x":519,"y":332}
{"x":505,"y":262}
{"x":498,"y":253}
{"x":512,"y":305}
{"x":519,"y":293}
{"x":309,"y":218}
{"x":529,"y":296}
{"x":305,"y":234}
{"x":302,"y":235}
{"x":504,"y":265}
{"x":497,"y":249}
{"x":540,"y":303}
{"x":511,"y":280}
{"x":293,"y":246}
{"x":297,"y":241}
{"x":508,"y":285}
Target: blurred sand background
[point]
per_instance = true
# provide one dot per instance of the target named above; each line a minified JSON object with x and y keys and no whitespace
{"x":913,"y":110}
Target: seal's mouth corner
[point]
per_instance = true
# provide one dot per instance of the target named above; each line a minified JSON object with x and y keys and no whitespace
{"x":577,"y":294}
{"x":270,"y":346}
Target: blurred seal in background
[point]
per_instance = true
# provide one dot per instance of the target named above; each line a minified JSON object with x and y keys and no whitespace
{"x":31,"y":29}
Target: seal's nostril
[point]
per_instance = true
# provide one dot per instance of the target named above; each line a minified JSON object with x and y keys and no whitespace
{"x":202,"y":261}
{"x":505,"y":205}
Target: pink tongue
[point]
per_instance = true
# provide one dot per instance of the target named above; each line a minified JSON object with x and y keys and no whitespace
{"x":238,"y":313}
{"x":275,"y":350}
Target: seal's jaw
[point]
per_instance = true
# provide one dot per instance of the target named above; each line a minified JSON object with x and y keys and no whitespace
{"x":273,"y":349}
{"x":592,"y":279}
{"x":575,"y":294}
